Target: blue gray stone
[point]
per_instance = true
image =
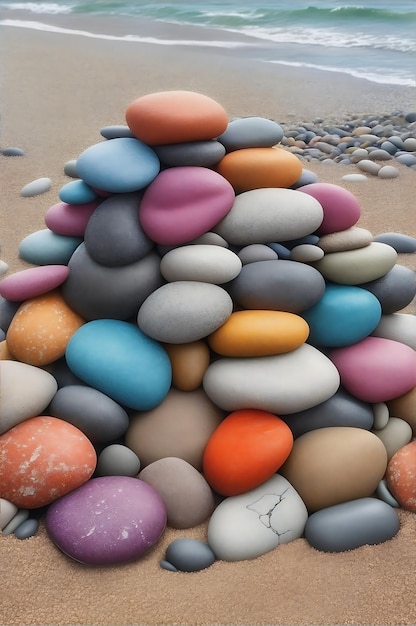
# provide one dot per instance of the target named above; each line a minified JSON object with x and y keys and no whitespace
{"x":189,"y":555}
{"x":395,"y":290}
{"x":251,"y":132}
{"x":404,"y":244}
{"x":27,"y":529}
{"x":197,"y":153}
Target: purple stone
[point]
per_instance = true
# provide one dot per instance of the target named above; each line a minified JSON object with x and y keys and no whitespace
{"x":108,"y":520}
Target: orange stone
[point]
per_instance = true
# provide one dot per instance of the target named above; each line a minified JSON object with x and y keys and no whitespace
{"x":259,"y":333}
{"x":41,"y":329}
{"x":170,"y":117}
{"x":42,"y":459}
{"x":255,"y":168}
{"x":189,"y":363}
{"x":401,"y":476}
{"x":5,"y":354}
{"x":245,"y":450}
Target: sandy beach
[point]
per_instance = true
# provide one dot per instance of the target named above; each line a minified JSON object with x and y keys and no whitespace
{"x":57,"y":91}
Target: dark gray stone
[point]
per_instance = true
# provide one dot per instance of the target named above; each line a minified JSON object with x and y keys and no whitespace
{"x":12,"y":151}
{"x":403,"y":244}
{"x":251,"y":132}
{"x":116,"y":131}
{"x":189,"y":555}
{"x":395,"y":290}
{"x":7,"y":312}
{"x":63,"y":375}
{"x":117,"y":460}
{"x":197,"y":153}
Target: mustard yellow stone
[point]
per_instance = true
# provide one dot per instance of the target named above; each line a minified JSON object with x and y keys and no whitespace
{"x":5,"y":354}
{"x":189,"y":362}
{"x":41,"y":329}
{"x":259,"y":333}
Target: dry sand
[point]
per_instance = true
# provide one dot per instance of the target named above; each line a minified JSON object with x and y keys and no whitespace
{"x":57,"y":92}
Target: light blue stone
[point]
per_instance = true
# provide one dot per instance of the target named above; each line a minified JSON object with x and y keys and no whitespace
{"x":343,"y":316}
{"x":118,"y":359}
{"x":44,"y":247}
{"x":77,"y":192}
{"x":119,"y":165}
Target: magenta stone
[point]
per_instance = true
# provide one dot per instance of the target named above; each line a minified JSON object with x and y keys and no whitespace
{"x":376,"y":369}
{"x":70,"y":219}
{"x":108,"y":520}
{"x":341,"y":208}
{"x":183,"y":203}
{"x":33,"y":282}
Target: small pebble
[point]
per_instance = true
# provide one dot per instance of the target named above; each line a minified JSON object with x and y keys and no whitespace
{"x":27,"y":529}
{"x":36,"y":187}
{"x":13,"y":152}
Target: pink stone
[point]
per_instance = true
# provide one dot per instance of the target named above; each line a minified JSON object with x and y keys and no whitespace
{"x":376,"y":369}
{"x":183,"y":203}
{"x":70,"y":219}
{"x":33,"y":282}
{"x":341,"y":208}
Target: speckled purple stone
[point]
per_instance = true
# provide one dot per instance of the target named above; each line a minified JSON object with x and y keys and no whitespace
{"x":108,"y":520}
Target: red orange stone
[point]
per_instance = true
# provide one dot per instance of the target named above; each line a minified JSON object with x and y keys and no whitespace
{"x":401,"y":476}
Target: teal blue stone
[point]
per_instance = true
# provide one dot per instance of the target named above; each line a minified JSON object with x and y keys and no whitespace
{"x":77,"y":192}
{"x":343,"y":316}
{"x":44,"y":247}
{"x":118,"y":165}
{"x":118,"y":359}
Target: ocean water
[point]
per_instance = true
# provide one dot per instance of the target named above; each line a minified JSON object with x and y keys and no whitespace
{"x":370,"y":39}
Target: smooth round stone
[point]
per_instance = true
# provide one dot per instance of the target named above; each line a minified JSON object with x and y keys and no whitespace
{"x":21,"y":516}
{"x":254,"y":523}
{"x":119,"y":360}
{"x":117,"y":460}
{"x":341,"y":208}
{"x":259,"y":333}
{"x":27,"y":529}
{"x":410,"y":144}
{"x":100,"y":418}
{"x":109,"y":520}
{"x":356,"y":267}
{"x":379,"y":155}
{"x":77,"y":192}
{"x":376,"y":369}
{"x":245,"y":450}
{"x":277,"y":285}
{"x":183,"y":203}
{"x":344,"y":315}
{"x":69,"y":219}
{"x":169,"y":117}
{"x":13,"y":151}
{"x":400,"y":476}
{"x":355,"y":178}
{"x":70,"y":168}
{"x":306,"y":253}
{"x":41,"y":329}
{"x":255,"y":168}
{"x":395,"y":289}
{"x":387,"y":172}
{"x":251,"y":132}
{"x":341,"y":409}
{"x":396,"y":434}
{"x":96,"y":291}
{"x":331,"y":465}
{"x":381,"y":415}
{"x":405,"y":407}
{"x":36,"y":187}
{"x":406,"y":159}
{"x":7,"y":512}
{"x":196,"y":153}
{"x":284,"y":383}
{"x":187,"y":496}
{"x":4,"y":268}
{"x":32,"y":282}
{"x":365,"y":165}
{"x":384,"y":494}
{"x":184,"y":311}
{"x":350,"y":525}
{"x":189,"y":363}
{"x":115,"y":131}
{"x":403,"y":244}
{"x":159,"y":433}
{"x":256,"y":252}
{"x":399,"y":327}
{"x":306,"y":178}
{"x":25,"y":391}
{"x":189,"y":555}
{"x":204,"y":263}
{"x":348,"y":239}
{"x":44,"y":247}
{"x":270,"y":215}
{"x":44,"y":458}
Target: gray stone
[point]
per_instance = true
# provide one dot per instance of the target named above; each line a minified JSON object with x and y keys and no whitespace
{"x":20,"y":517}
{"x":348,"y":239}
{"x":379,"y":155}
{"x":189,"y":555}
{"x":365,"y":165}
{"x":36,"y":187}
{"x":395,"y":435}
{"x":70,"y":168}
{"x":409,"y":144}
{"x":399,"y":327}
{"x":257,"y":252}
{"x":27,"y":529}
{"x":205,"y":263}
{"x":196,"y":153}
{"x":388,"y":171}
{"x":381,"y":415}
{"x":117,"y":460}
{"x":406,"y":159}
{"x":306,"y":178}
{"x":7,"y":512}
{"x":12,"y":151}
{"x":116,"y":131}
{"x":384,"y":494}
{"x":251,"y":132}
{"x":394,"y":290}
{"x":404,"y":244}
{"x":355,"y":178}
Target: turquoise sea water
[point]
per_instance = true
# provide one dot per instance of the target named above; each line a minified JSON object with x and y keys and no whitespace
{"x":370,"y":39}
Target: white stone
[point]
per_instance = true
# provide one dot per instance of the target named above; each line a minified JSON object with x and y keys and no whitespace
{"x":36,"y":187}
{"x":355,"y":178}
{"x":7,"y":512}
{"x":205,"y":263}
{"x":399,"y":327}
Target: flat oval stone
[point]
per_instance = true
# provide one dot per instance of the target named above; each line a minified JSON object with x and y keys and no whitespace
{"x":256,"y":522}
{"x":69,"y":219}
{"x":21,"y":516}
{"x":340,"y":207}
{"x":33,"y":282}
{"x":256,"y":168}
{"x":350,"y":525}
{"x":388,"y":171}
{"x":376,"y":369}
{"x":115,"y":131}
{"x":36,"y":187}
{"x":189,"y":555}
{"x":347,"y":463}
{"x":13,"y":151}
{"x":365,"y":165}
{"x":70,"y":168}
{"x":344,"y":315}
{"x":400,"y":476}
{"x":189,"y":363}
{"x":7,"y":512}
{"x":183,"y":203}
{"x":355,"y":267}
{"x":184,"y":311}
{"x":381,"y":415}
{"x":277,"y":285}
{"x":77,"y":192}
{"x":256,"y":252}
{"x":396,"y":434}
{"x":100,"y":418}
{"x":43,"y":458}
{"x":109,"y":520}
{"x":121,"y":165}
{"x":306,"y":178}
{"x":355,"y":178}
{"x":204,"y":263}
{"x":399,"y":327}
{"x":43,"y":247}
{"x":96,"y":291}
{"x":27,"y":529}
{"x":251,"y":132}
{"x":283,"y":383}
{"x":349,"y":239}
{"x":197,"y":153}
{"x":259,"y":333}
{"x":270,"y":215}
{"x":119,"y":360}
{"x":395,"y":289}
{"x":168,"y":117}
{"x":25,"y":391}
{"x":187,"y":496}
{"x":117,"y":460}
{"x":306,"y":253}
{"x":404,"y":244}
